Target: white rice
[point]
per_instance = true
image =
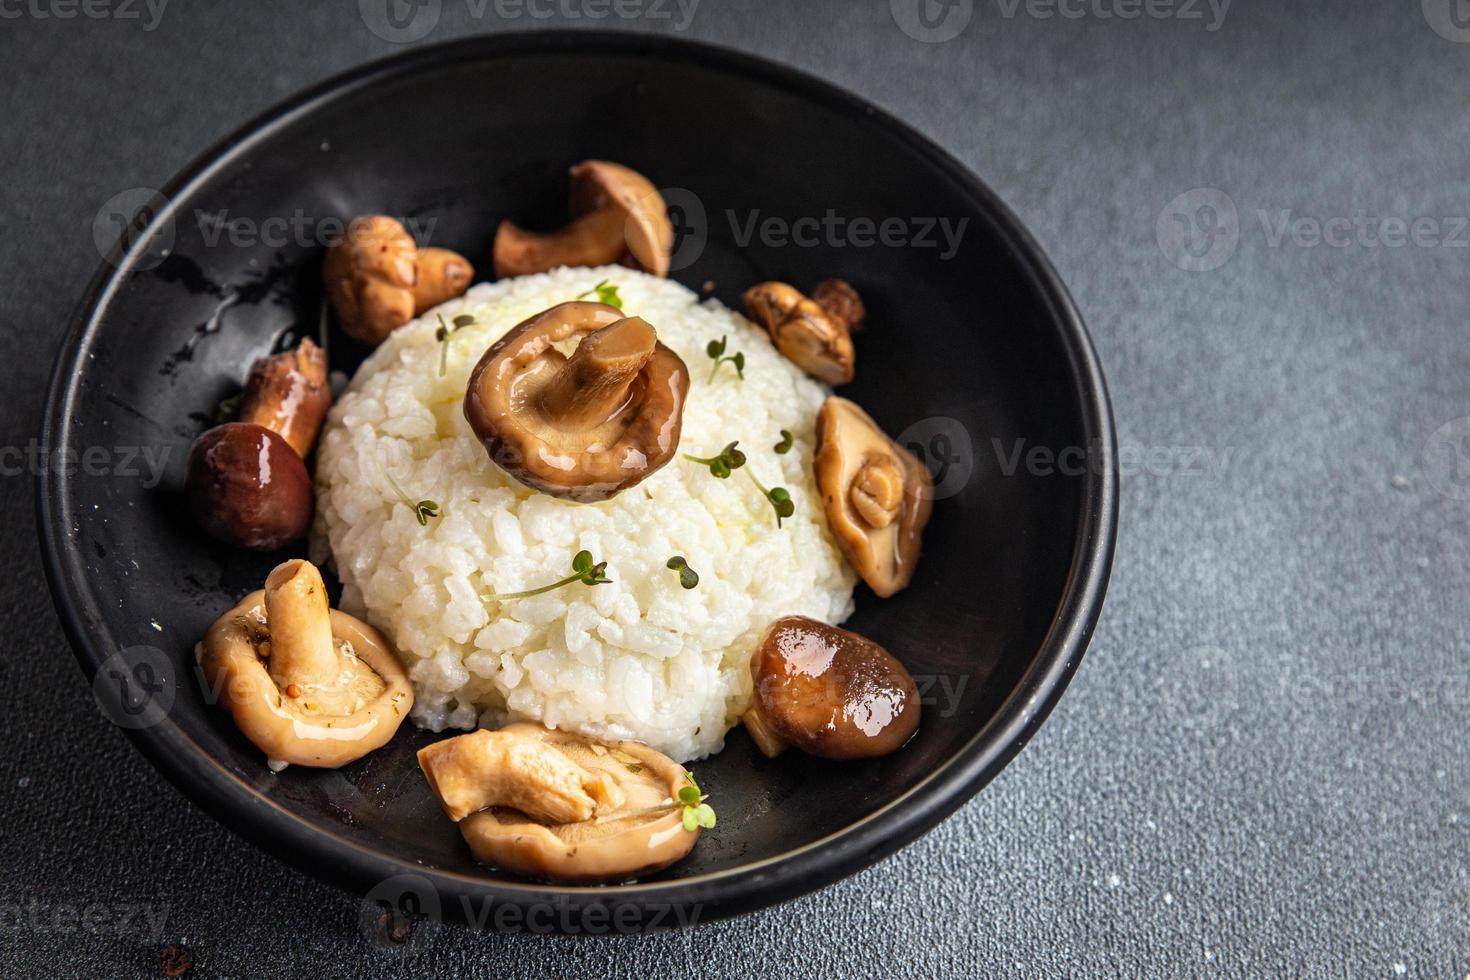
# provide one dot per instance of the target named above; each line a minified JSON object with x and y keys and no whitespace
{"x":640,"y":658}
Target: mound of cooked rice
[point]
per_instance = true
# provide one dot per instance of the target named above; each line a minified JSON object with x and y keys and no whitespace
{"x":639,"y":658}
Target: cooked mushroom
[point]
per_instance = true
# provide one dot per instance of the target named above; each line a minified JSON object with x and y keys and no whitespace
{"x":378,"y":280}
{"x":617,"y":216}
{"x":877,"y":495}
{"x":308,"y":684}
{"x":557,"y":805}
{"x":829,"y":692}
{"x":816,"y":337}
{"x":839,"y":298}
{"x":443,"y":275}
{"x":247,"y":487}
{"x":246,"y":482}
{"x":582,"y":427}
{"x":289,"y":394}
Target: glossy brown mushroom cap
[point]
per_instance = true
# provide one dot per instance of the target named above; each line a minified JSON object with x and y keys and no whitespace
{"x":876,"y":494}
{"x":247,"y":487}
{"x":829,"y":692}
{"x":583,"y":427}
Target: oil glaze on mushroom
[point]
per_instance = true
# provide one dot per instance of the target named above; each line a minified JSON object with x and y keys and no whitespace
{"x":309,"y":685}
{"x":246,"y":482}
{"x":617,"y":216}
{"x":817,"y":338}
{"x":829,"y":692}
{"x":877,"y":495}
{"x":557,"y":805}
{"x":585,"y":426}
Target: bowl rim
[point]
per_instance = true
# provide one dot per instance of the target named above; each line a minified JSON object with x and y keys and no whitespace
{"x":716,"y":894}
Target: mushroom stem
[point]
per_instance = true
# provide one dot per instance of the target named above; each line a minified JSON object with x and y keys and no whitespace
{"x":596,"y":238}
{"x":592,"y":386}
{"x":299,"y":616}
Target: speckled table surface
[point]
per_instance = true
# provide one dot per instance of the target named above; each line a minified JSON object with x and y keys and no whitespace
{"x":1261,"y":766}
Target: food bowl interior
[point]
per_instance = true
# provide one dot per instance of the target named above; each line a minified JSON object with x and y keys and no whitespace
{"x":964,"y":352}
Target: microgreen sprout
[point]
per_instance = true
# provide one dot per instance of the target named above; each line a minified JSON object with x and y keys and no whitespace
{"x":787,"y":441}
{"x":716,"y":350}
{"x":229,"y":409}
{"x":607,"y":292}
{"x":584,"y":569}
{"x":697,"y":813}
{"x":443,"y":334}
{"x":721,"y":466}
{"x":688,"y":577}
{"x":779,"y":498}
{"x":422,"y":509}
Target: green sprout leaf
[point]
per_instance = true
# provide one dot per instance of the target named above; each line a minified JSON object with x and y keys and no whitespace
{"x":229,"y":409}
{"x":585,"y":569}
{"x":778,"y":497}
{"x":422,"y":509}
{"x":688,"y":577}
{"x":729,"y":460}
{"x":697,"y":813}
{"x":716,"y":351}
{"x":607,"y":292}
{"x":445,"y":332}
{"x":787,"y":441}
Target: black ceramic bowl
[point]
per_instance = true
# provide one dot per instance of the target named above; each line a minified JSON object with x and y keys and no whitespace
{"x":973,"y":350}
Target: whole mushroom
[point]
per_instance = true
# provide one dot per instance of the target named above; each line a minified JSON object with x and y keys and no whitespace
{"x":558,"y":805}
{"x":309,"y":685}
{"x":246,"y":482}
{"x":829,"y":692}
{"x":877,"y":496}
{"x":583,"y":427}
{"x":378,"y":279}
{"x":617,"y":216}
{"x":814,"y":333}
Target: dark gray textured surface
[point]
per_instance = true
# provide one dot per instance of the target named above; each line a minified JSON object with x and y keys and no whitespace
{"x":1261,"y":766}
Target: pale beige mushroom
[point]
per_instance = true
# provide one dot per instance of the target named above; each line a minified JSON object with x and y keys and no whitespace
{"x":617,"y":216}
{"x":308,"y":684}
{"x":814,"y":337}
{"x":876,"y":494}
{"x":584,"y":427}
{"x":443,"y":275}
{"x":622,"y":795}
{"x":485,"y":768}
{"x":378,"y":279}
